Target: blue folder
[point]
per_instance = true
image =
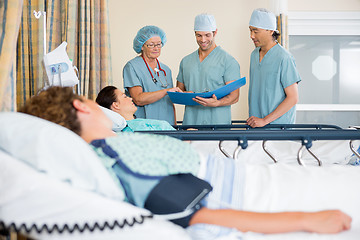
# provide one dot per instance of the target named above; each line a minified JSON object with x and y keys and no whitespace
{"x":187,"y":98}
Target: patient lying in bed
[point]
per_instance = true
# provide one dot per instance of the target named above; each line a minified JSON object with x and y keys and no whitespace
{"x":86,"y":119}
{"x":112,"y":98}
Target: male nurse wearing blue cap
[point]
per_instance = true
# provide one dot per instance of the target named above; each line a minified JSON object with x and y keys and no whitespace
{"x":207,"y":69}
{"x":273,"y":90}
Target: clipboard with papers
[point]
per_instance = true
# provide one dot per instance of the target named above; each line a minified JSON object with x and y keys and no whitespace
{"x":187,"y":98}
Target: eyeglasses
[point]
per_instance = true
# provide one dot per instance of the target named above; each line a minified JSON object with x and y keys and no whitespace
{"x":151,"y":45}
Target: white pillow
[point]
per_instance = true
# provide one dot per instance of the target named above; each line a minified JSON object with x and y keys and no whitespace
{"x":59,"y":152}
{"x":43,"y":200}
{"x":118,"y":121}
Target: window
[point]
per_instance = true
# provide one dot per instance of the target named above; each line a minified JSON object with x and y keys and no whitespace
{"x":326,"y":47}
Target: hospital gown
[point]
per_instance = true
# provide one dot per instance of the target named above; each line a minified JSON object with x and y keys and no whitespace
{"x":141,"y":124}
{"x":213,"y":72}
{"x":155,"y":155}
{"x":147,"y":155}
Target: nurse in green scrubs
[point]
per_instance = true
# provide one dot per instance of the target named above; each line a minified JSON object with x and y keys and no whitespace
{"x":273,"y":91}
{"x":147,"y":80}
{"x":207,"y":69}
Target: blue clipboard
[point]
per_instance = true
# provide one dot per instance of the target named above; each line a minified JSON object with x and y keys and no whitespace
{"x":186,"y":98}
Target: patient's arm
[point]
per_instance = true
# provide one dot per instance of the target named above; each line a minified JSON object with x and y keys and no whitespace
{"x":332,"y":221}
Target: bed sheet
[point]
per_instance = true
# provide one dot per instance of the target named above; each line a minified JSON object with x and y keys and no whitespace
{"x":28,"y":196}
{"x":281,"y":187}
{"x":287,"y":187}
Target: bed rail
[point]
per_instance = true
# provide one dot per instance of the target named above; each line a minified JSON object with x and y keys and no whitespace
{"x":284,"y":133}
{"x":240,"y":125}
{"x":232,"y":122}
{"x":243,"y":136}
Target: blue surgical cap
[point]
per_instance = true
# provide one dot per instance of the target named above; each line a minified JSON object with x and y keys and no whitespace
{"x":262,"y":18}
{"x":205,"y":23}
{"x":145,"y":34}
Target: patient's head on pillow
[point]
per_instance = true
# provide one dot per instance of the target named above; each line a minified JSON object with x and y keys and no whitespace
{"x":112,"y":98}
{"x":106,"y":97}
{"x":56,"y":105}
{"x":62,"y":106}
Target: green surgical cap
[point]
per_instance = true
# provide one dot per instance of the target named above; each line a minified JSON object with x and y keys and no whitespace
{"x":261,"y":18}
{"x":205,"y":23}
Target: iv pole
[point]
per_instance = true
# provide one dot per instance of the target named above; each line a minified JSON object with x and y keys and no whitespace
{"x":37,"y":16}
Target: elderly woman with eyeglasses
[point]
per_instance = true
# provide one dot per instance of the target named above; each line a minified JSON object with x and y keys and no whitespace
{"x":147,"y":80}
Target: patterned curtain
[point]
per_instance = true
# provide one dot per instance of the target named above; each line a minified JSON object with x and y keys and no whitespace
{"x":280,"y":9}
{"x":29,"y":52}
{"x":282,"y":26}
{"x":83,"y":24}
{"x":10,"y":17}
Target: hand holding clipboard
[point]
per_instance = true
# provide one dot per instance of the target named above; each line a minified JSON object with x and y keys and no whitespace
{"x":187,"y":98}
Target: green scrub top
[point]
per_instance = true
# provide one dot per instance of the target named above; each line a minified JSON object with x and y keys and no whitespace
{"x":268,"y":80}
{"x":213,"y":72}
{"x":135,"y":73}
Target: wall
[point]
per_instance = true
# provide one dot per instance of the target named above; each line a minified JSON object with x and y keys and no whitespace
{"x":176,"y":18}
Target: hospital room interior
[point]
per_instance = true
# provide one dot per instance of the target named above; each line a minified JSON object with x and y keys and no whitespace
{"x":216,"y":171}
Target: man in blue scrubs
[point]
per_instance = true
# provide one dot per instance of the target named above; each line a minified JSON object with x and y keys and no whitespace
{"x":273,"y":90}
{"x":207,"y":69}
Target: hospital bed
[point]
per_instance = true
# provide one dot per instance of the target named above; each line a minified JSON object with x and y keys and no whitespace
{"x":53,"y":186}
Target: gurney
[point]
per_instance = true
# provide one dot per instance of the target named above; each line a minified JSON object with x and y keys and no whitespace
{"x":73,"y":198}
{"x":283,"y":186}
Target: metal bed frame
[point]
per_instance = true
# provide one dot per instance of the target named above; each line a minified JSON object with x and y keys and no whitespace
{"x":242,"y":133}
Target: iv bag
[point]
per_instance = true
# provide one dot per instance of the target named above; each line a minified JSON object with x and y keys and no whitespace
{"x":59,"y":68}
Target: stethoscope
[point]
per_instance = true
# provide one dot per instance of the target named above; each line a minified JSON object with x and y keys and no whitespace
{"x":157,"y":70}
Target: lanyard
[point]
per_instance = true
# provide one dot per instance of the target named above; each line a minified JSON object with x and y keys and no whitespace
{"x":152,"y":76}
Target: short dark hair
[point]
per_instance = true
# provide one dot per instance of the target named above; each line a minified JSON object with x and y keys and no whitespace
{"x":276,"y":35}
{"x":55,"y":104}
{"x":106,"y":97}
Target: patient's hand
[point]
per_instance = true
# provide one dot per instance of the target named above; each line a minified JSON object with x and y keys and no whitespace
{"x":331,"y":221}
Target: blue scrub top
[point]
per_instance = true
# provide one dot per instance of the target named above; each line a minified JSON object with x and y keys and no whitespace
{"x":268,"y":80}
{"x":213,"y":72}
{"x":135,"y":73}
{"x":140,"y":124}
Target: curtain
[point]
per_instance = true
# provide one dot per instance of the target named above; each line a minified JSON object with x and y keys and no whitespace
{"x":280,"y":9}
{"x":83,"y":24}
{"x":10,"y":17}
{"x":282,"y":26}
{"x":29,"y":52}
